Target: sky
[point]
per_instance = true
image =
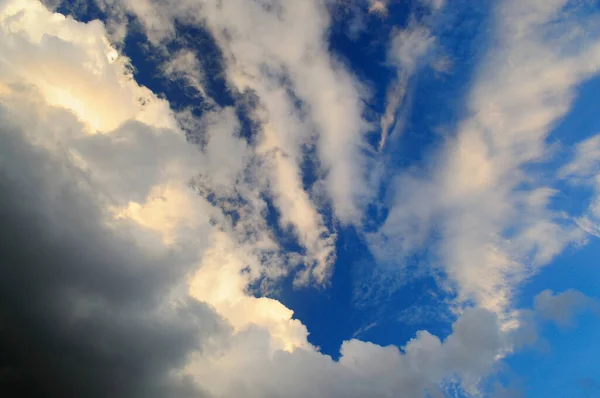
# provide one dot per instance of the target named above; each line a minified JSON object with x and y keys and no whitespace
{"x":300,"y":198}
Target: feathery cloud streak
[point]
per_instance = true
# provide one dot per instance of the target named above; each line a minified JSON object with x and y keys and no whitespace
{"x":493,"y":219}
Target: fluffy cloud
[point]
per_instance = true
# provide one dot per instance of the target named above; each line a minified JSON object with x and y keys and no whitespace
{"x":364,"y":369}
{"x":106,"y":206}
{"x":89,"y":305}
{"x":43,"y":51}
{"x":409,"y":45}
{"x":434,"y":4}
{"x":563,"y":307}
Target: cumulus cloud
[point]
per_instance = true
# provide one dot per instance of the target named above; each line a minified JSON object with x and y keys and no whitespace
{"x":100,"y":306}
{"x":490,"y":219}
{"x":42,"y":51}
{"x":563,"y":307}
{"x":331,"y":96}
{"x":434,"y":4}
{"x":89,"y":305}
{"x":107,"y":205}
{"x":364,"y":369}
{"x":409,"y":45}
{"x":378,"y":7}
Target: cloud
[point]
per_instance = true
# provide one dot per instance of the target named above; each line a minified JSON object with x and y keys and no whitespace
{"x":42,"y":51}
{"x":407,"y":50}
{"x":100,"y":306}
{"x":488,"y":220}
{"x":184,"y":65}
{"x":364,"y":369}
{"x":85,"y":309}
{"x":409,"y":45}
{"x":104,"y":201}
{"x":378,"y":7}
{"x":563,"y":307}
{"x":286,"y":128}
{"x":585,"y":160}
{"x":504,"y":392}
{"x":272,"y":69}
{"x":584,"y":169}
{"x":127,"y":251}
{"x":306,"y":96}
{"x":394,"y":100}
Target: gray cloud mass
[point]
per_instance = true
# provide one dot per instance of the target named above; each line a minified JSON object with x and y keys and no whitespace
{"x":80,"y":313}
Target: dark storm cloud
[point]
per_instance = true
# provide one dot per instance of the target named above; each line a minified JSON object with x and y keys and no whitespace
{"x":79,"y":300}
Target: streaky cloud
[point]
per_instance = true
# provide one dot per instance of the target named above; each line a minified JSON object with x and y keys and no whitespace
{"x":473,"y":192}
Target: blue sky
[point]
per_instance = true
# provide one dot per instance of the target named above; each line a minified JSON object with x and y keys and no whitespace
{"x":283,"y":198}
{"x":565,"y":364}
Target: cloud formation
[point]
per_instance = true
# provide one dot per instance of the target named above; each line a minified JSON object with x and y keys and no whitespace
{"x":89,"y":304}
{"x":584,"y":170}
{"x":493,"y":220}
{"x":127,"y":251}
{"x":563,"y":307}
{"x":306,"y":99}
{"x":408,"y":51}
{"x":407,"y":48}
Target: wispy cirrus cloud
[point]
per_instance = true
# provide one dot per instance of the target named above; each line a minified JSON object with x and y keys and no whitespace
{"x":409,"y":50}
{"x":493,"y":220}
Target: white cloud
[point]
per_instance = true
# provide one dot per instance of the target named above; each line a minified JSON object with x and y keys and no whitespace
{"x":140,"y":164}
{"x":409,"y":45}
{"x":185,"y":66}
{"x":43,"y":51}
{"x":378,"y":7}
{"x":394,"y":100}
{"x":407,"y":50}
{"x":284,"y":48}
{"x":585,"y":161}
{"x":585,"y":169}
{"x":364,"y":369}
{"x":221,"y":281}
{"x":492,"y":219}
